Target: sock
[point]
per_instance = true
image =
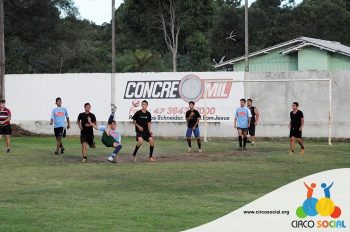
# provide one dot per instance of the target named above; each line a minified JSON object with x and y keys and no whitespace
{"x":244,"y":141}
{"x":116,"y":150}
{"x":135,"y":151}
{"x":151,"y":148}
{"x":301,"y":145}
{"x":189,"y":142}
{"x":113,"y":109}
{"x":199,"y":143}
{"x":240,"y":141}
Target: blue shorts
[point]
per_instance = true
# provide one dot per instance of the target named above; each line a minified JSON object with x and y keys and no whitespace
{"x":195,"y":132}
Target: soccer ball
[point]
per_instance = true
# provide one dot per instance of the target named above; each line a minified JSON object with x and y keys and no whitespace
{"x":135,"y":103}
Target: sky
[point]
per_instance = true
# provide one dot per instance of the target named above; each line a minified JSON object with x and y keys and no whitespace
{"x":100,"y":11}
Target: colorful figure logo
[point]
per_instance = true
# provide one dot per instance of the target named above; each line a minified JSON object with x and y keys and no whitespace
{"x":313,"y":206}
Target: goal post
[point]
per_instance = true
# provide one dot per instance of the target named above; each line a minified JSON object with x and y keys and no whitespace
{"x":273,"y":81}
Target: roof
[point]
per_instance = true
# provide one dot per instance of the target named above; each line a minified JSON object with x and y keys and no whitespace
{"x":295,"y":45}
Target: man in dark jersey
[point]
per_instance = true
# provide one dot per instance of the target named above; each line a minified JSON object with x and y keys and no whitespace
{"x":142,"y":120}
{"x":86,"y":130}
{"x":296,"y":127}
{"x":253,"y":121}
{"x":5,"y":127}
{"x":192,"y":118}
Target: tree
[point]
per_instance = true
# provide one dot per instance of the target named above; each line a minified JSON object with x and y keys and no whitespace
{"x":228,"y":19}
{"x":140,"y":24}
{"x":2,"y":51}
{"x":324,"y":19}
{"x":41,"y":41}
{"x":170,"y":20}
{"x":230,"y":3}
{"x":141,"y":59}
{"x":198,"y":52}
{"x":49,"y":37}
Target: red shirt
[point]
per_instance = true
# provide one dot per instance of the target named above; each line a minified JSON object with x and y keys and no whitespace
{"x":5,"y":114}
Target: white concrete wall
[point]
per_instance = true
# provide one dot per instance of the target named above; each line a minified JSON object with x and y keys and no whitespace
{"x":274,"y":101}
{"x":31,"y":98}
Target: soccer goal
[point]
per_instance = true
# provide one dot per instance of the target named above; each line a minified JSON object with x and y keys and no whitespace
{"x":308,"y":89}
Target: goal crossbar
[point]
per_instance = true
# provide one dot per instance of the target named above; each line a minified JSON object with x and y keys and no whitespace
{"x":289,"y":80}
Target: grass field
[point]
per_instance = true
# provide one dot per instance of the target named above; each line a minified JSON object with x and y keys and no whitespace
{"x":40,"y":191}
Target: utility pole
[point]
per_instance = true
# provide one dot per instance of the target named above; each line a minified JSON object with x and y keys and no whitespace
{"x":113,"y":55}
{"x":246,"y":36}
{"x":2,"y":51}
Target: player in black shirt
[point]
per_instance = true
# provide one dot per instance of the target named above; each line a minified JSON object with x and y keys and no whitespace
{"x":296,"y":127}
{"x":86,"y":130}
{"x":192,"y":118}
{"x":143,"y":127}
{"x":253,"y":121}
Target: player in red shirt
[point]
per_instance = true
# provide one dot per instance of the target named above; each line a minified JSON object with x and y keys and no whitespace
{"x":5,"y":127}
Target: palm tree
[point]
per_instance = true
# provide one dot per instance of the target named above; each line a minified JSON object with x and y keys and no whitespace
{"x":141,"y":59}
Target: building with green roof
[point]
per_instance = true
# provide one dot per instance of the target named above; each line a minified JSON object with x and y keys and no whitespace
{"x":301,"y":54}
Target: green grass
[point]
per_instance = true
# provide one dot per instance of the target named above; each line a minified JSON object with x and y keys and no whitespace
{"x":43,"y":192}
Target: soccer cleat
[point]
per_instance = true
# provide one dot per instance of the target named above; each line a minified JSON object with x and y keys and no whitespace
{"x":56,"y":152}
{"x":244,"y":149}
{"x":84,"y":160}
{"x":133,"y":158}
{"x":93,"y":145}
{"x":302,"y":151}
{"x":62,"y":150}
{"x":111,"y":159}
{"x":8,"y":150}
{"x":252,"y":144}
{"x":200,"y":150}
{"x":291,"y":152}
{"x":189,"y":149}
{"x":113,"y":109}
{"x":151,"y":159}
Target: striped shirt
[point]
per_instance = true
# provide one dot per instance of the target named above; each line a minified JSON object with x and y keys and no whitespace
{"x":5,"y":114}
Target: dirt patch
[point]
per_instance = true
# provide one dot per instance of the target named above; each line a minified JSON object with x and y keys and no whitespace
{"x":19,"y":131}
{"x":185,"y":157}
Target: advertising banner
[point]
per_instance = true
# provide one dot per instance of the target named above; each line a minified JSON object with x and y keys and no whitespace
{"x":168,"y":94}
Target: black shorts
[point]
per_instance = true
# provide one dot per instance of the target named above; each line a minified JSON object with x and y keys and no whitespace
{"x":251,"y":130}
{"x":243,"y":129}
{"x":60,"y":132}
{"x":6,"y":130}
{"x":145,"y":135}
{"x":87,"y":138}
{"x":295,"y":132}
